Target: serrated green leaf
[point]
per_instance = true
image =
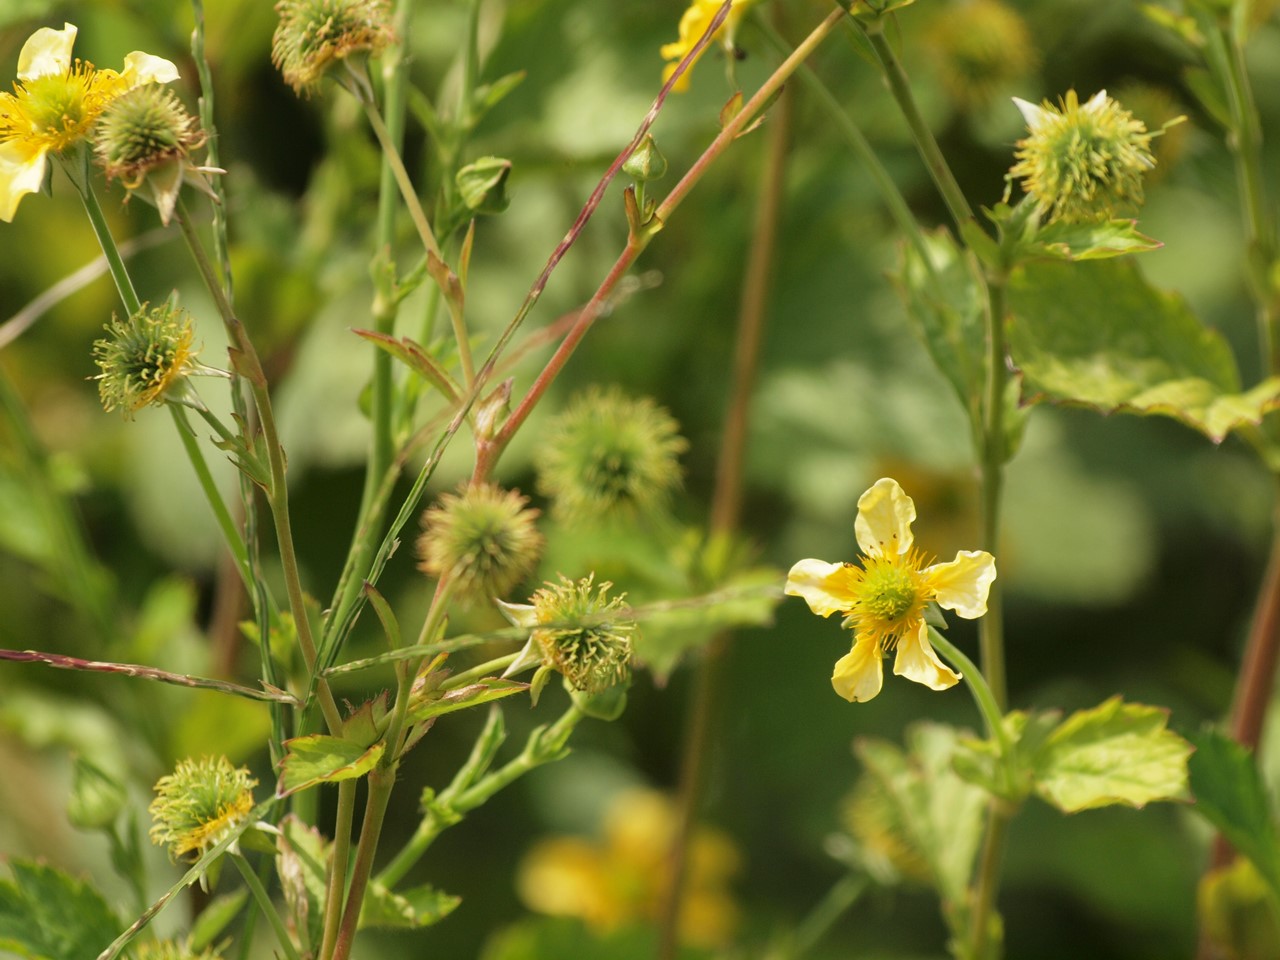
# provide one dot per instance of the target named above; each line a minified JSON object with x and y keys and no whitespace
{"x":1098,"y":335}
{"x":1114,"y":753}
{"x":320,"y":758}
{"x":1230,"y":794}
{"x":472,"y":695}
{"x":46,"y":914}
{"x":408,"y":909}
{"x":1092,"y":241}
{"x":935,"y":816}
{"x":416,"y":357}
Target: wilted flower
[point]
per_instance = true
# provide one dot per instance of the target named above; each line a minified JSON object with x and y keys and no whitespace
{"x":55,"y":104}
{"x":884,"y":600}
{"x":607,"y":451}
{"x":579,"y":631}
{"x":199,"y":804}
{"x":145,"y":140}
{"x":693,"y":24}
{"x":314,"y":35}
{"x":1082,"y":162}
{"x":484,"y":538}
{"x":144,"y":356}
{"x":618,"y":880}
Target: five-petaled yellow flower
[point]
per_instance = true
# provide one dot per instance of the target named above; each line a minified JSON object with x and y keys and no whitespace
{"x":55,"y":104}
{"x":884,"y":599}
{"x":693,"y":24}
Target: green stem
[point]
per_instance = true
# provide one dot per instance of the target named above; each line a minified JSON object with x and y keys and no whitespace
{"x":463,"y":795}
{"x":226,"y":523}
{"x":483,"y":670}
{"x":827,"y":911}
{"x":265,"y":905}
{"x":726,"y":507}
{"x":889,"y":192}
{"x":994,"y":454}
{"x":247,"y":363}
{"x":987,"y":880}
{"x":635,"y":245}
{"x":340,"y":854}
{"x":1245,"y":141}
{"x":900,"y":88}
{"x":115,"y":263}
{"x":381,"y":782}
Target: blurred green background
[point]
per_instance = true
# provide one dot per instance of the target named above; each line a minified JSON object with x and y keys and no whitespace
{"x":1132,"y":551}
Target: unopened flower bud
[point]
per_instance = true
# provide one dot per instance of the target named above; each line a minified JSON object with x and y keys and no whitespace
{"x":646,"y":161}
{"x":483,"y":185}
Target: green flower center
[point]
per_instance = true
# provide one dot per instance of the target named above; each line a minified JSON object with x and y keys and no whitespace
{"x":889,"y":592}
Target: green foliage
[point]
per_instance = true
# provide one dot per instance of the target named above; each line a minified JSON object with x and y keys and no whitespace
{"x":320,"y":758}
{"x":47,"y":915}
{"x":409,"y":909}
{"x":1114,"y":753}
{"x":1230,"y":794}
{"x":1099,"y":335}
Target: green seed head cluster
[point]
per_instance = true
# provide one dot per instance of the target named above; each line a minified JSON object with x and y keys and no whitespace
{"x":142,"y":357}
{"x":485,"y":538}
{"x":609,"y":452}
{"x":981,"y":48}
{"x":144,"y":128}
{"x":313,"y":35}
{"x":173,"y":950}
{"x":588,"y":637}
{"x":1083,"y":162}
{"x":198,"y":804}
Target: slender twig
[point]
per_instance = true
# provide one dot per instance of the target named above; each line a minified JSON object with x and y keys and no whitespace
{"x":726,"y":504}
{"x":265,"y":905}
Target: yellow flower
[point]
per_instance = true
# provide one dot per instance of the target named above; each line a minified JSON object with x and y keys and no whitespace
{"x":617,"y":881}
{"x":55,"y":104}
{"x":693,"y":24}
{"x":884,"y":600}
{"x":199,"y":804}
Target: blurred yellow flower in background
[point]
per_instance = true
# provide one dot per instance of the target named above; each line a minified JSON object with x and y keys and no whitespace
{"x":55,"y":103}
{"x":617,"y":880}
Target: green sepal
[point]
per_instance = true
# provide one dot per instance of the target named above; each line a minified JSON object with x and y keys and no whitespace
{"x":489,"y":95}
{"x":607,"y":705}
{"x":409,"y":909}
{"x":366,"y":725}
{"x":416,"y":358}
{"x":1098,"y":335}
{"x":1229,"y":792}
{"x":46,"y":914}
{"x":1116,"y":753}
{"x":436,"y":704}
{"x":320,"y":758}
{"x":302,"y":863}
{"x":1090,"y":241}
{"x":482,"y":185}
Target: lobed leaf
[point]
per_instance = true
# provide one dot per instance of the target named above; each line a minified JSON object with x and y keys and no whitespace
{"x":46,"y":914}
{"x":320,"y":758}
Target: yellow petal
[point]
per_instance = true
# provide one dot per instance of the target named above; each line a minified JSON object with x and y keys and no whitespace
{"x":917,"y":661}
{"x":963,"y":584}
{"x":885,"y":515}
{"x":859,"y":674}
{"x":142,"y":68}
{"x":826,"y":587}
{"x":46,"y":51}
{"x":21,"y":172}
